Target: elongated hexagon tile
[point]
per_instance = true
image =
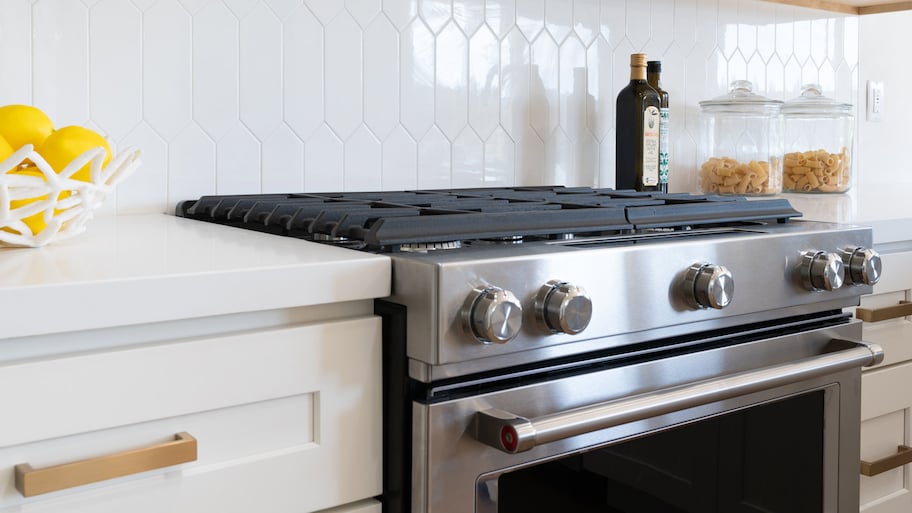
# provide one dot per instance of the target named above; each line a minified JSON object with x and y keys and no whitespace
{"x":435,"y":164}
{"x":661,"y":27}
{"x":167,"y":68}
{"x":737,"y":69}
{"x":325,"y":10}
{"x":363,"y":171}
{"x":560,"y":161}
{"x":586,"y":20}
{"x":573,"y":88}
{"x":515,"y":66}
{"x":682,"y":175}
{"x":639,"y":18}
{"x":191,"y":165}
{"x":706,"y":35}
{"x":559,"y":18}
{"x":606,"y":176}
{"x":530,"y":158}
{"x":282,"y":8}
{"x":142,"y":4}
{"x":601,"y":92}
{"x":544,"y":89}
{"x":215,"y":69}
{"x":727,"y":35}
{"x":775,"y":78}
{"x":819,"y":40}
{"x":810,"y":74}
{"x":60,"y":39}
{"x":755,"y":71}
{"x":116,"y":51}
{"x":469,"y":15}
{"x":844,"y":90}
{"x":766,"y":40}
{"x":613,"y":21}
{"x":238,"y":162}
{"x":416,"y":75}
{"x":363,"y":11}
{"x":530,"y":17}
{"x":785,"y":40}
{"x":16,"y":51}
{"x":826,"y":77}
{"x":303,"y":72}
{"x":850,"y":44}
{"x":468,"y":160}
{"x":400,"y":12}
{"x":435,"y":13}
{"x":343,"y":75}
{"x":793,"y":72}
{"x":499,"y":160}
{"x":147,"y":190}
{"x":484,"y":81}
{"x":260,"y":59}
{"x":586,"y":170}
{"x":685,"y":23}
{"x":191,"y":6}
{"x":381,"y":77}
{"x":620,"y":66}
{"x":323,"y":162}
{"x":501,"y":16}
{"x":802,"y":48}
{"x":283,"y":162}
{"x":400,"y":161}
{"x":451,"y":84}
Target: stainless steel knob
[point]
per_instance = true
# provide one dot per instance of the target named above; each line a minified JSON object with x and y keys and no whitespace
{"x":493,"y":315}
{"x":820,"y":270}
{"x":709,"y":286}
{"x":862,"y":265}
{"x":563,"y":307}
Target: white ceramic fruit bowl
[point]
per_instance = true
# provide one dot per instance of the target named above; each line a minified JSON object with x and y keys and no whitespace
{"x":65,"y":204}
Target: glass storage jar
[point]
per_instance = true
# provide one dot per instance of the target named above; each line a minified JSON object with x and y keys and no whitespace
{"x":819,"y":133}
{"x":741,"y":143}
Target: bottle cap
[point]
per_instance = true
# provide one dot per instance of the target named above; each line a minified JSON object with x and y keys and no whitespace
{"x":638,"y":60}
{"x":654,"y":67}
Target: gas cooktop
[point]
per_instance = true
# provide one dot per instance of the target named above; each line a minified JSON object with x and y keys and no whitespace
{"x":431,"y":219}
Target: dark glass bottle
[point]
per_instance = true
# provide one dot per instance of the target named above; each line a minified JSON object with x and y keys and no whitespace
{"x":654,"y":78}
{"x":638,"y":119}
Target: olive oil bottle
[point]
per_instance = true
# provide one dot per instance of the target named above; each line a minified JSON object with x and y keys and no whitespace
{"x":638,"y":123}
{"x":654,"y":78}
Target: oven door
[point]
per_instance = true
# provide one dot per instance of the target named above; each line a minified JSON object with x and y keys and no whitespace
{"x":769,"y":425}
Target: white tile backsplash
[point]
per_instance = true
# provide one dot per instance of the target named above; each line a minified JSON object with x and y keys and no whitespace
{"x":247,"y":96}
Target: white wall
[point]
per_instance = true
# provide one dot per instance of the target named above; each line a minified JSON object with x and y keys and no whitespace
{"x":885,"y":40}
{"x":244,"y":96}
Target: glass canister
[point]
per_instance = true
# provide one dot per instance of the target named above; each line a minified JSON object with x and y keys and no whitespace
{"x":819,"y":133}
{"x":741,"y":143}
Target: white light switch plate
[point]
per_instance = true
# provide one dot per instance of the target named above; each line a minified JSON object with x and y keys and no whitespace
{"x":875,"y":100}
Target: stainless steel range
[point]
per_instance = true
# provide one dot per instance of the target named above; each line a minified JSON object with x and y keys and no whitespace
{"x":558,"y":349}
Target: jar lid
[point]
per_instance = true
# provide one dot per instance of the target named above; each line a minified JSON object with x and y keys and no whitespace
{"x":812,"y":101}
{"x":741,"y":98}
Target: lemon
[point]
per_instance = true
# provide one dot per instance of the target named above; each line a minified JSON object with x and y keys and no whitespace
{"x":5,"y":149}
{"x":24,"y":124}
{"x":69,"y":142}
{"x":35,"y":222}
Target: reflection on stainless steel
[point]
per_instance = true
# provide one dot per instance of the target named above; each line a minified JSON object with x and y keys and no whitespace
{"x":709,"y":286}
{"x":563,"y":307}
{"x":511,"y":433}
{"x":863,"y":266}
{"x":820,"y":270}
{"x":493,"y":315}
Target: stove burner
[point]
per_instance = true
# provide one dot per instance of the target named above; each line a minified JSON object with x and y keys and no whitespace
{"x":433,"y":219}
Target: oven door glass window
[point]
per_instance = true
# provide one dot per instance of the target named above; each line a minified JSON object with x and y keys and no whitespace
{"x":765,"y":458}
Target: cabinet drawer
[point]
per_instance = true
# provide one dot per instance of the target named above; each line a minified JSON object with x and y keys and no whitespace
{"x":885,"y":427}
{"x":894,"y":334}
{"x":288,"y":418}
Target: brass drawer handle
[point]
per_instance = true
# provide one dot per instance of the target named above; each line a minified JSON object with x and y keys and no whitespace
{"x":31,"y":481}
{"x":903,"y":309}
{"x":902,"y":457}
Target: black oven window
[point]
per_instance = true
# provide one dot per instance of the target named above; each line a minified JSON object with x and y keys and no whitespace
{"x":763,"y":459}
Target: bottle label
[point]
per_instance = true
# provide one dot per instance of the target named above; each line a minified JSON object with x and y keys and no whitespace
{"x":651,"y":127}
{"x":663,"y":145}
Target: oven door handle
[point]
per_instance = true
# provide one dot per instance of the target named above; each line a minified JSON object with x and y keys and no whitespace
{"x":513,"y":433}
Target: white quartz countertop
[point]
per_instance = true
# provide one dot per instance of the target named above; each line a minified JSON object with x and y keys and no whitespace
{"x":149,"y":268}
{"x":886,"y":208}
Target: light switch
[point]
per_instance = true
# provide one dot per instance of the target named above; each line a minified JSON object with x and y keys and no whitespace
{"x":875,"y":100}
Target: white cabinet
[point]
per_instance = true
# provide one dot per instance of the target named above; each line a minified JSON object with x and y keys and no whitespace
{"x":287,"y":418}
{"x":886,"y":408}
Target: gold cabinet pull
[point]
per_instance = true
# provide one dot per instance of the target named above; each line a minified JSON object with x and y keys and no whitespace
{"x":903,"y":309}
{"x":31,"y":481}
{"x":902,"y":457}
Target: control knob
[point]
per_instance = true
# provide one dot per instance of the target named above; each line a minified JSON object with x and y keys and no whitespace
{"x":563,"y":307}
{"x":493,"y":315}
{"x":709,"y":286}
{"x":820,"y":270}
{"x":862,"y":265}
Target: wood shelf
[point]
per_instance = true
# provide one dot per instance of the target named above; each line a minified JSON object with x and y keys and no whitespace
{"x":849,"y":6}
